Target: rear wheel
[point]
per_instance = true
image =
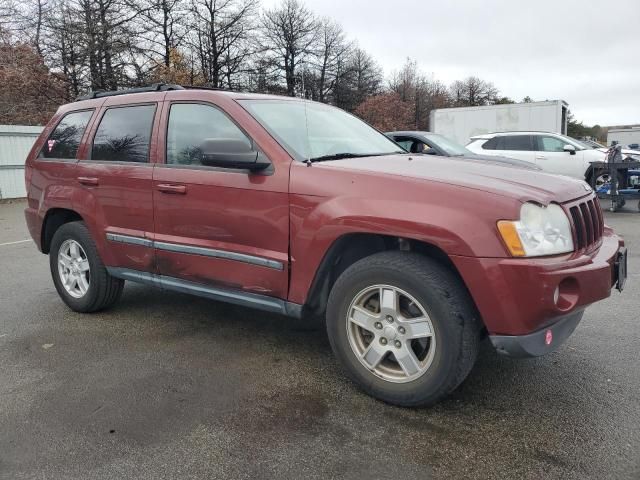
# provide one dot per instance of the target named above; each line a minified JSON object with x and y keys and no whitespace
{"x":404,"y":327}
{"x":80,"y":277}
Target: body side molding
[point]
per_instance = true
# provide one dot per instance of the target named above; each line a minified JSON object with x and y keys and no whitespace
{"x":193,"y":250}
{"x":246,"y":299}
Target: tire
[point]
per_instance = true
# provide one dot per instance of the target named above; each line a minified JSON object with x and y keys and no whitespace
{"x":439,"y":293}
{"x":593,"y":178}
{"x":101,"y":290}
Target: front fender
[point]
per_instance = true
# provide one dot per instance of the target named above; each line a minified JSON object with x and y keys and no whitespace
{"x":461,"y":224}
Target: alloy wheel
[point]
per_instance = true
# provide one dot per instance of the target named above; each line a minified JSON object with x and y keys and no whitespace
{"x":74,"y":269}
{"x":390,"y":333}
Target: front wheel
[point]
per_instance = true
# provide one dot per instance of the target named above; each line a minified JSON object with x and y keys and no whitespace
{"x":404,"y":327}
{"x":80,"y":277}
{"x":601,"y":177}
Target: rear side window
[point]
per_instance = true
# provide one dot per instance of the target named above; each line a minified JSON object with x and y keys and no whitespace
{"x":190,"y":124}
{"x":514,"y":143}
{"x":124,"y":134}
{"x":65,"y":138}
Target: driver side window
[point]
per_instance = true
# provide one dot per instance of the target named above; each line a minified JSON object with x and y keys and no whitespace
{"x":190,"y":124}
{"x":550,"y":144}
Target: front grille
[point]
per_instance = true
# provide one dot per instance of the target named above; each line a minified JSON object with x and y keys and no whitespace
{"x":588,"y":223}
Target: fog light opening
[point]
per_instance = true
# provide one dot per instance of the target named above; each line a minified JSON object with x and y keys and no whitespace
{"x":566,"y":294}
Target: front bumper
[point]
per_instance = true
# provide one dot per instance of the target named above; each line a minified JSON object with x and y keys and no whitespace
{"x":518,"y":297}
{"x":539,"y":342}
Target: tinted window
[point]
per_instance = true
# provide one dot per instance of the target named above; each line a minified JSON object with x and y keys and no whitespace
{"x":490,"y":144}
{"x":514,"y":142}
{"x":65,"y":139}
{"x":411,"y":145}
{"x":190,"y":125}
{"x":124,"y":134}
{"x":551,"y":144}
{"x":404,"y":143}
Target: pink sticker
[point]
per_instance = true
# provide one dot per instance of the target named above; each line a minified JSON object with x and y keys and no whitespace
{"x":51,"y":144}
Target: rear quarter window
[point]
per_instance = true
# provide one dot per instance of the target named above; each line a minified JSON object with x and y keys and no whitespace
{"x":65,"y":138}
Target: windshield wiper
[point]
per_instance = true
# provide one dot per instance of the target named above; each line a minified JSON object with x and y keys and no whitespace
{"x":340,"y":156}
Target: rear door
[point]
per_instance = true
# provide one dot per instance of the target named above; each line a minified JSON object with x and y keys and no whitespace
{"x":520,"y":147}
{"x":114,"y":177}
{"x":217,"y":226}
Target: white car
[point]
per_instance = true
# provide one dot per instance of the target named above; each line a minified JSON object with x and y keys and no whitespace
{"x":552,"y":152}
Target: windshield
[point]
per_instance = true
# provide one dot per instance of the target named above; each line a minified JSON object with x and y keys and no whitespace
{"x":449,"y":146}
{"x":309,"y":130}
{"x":591,"y":144}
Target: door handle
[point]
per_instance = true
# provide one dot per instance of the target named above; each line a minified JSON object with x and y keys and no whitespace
{"x":89,"y":181}
{"x":166,"y":188}
{"x":540,"y":157}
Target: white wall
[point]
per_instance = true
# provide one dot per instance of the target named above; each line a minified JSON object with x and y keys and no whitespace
{"x":15,"y":143}
{"x":624,"y":136}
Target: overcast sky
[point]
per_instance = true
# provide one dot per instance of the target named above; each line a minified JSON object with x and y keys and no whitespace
{"x":583,"y":51}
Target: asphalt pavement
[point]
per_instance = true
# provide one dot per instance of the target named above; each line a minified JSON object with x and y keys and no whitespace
{"x":166,"y":385}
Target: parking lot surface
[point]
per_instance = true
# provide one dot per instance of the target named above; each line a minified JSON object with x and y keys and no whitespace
{"x":165,"y":385}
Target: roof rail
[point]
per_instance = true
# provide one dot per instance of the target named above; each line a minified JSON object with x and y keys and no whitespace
{"x":156,"y":87}
{"x":203,"y":87}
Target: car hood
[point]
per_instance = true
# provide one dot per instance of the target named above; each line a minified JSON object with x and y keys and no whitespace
{"x":500,"y":179}
{"x":624,"y":151}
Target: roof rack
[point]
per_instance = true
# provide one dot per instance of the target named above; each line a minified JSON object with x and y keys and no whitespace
{"x":204,"y":87}
{"x":156,"y":87}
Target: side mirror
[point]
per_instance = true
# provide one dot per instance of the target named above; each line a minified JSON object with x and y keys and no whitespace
{"x":570,"y":148}
{"x":230,"y":153}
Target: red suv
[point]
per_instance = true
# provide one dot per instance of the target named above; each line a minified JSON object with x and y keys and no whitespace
{"x":299,"y":208}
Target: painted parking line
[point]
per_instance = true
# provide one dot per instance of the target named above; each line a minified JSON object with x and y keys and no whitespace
{"x":14,"y":243}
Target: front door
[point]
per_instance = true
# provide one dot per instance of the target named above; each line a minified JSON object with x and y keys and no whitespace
{"x":115,"y":196}
{"x":552,"y":157}
{"x":215,"y":226}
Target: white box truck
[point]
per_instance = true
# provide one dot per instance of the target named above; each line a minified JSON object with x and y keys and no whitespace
{"x":462,"y":123}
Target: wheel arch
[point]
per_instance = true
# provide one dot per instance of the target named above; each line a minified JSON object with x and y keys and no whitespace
{"x":53,"y":220}
{"x":349,"y":248}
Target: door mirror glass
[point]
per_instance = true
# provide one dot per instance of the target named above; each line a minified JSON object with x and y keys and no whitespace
{"x":569,"y":148}
{"x":230,"y":153}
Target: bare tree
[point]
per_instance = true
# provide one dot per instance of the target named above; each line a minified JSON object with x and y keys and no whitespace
{"x":358,"y":78}
{"x":423,"y":94}
{"x":331,"y":49}
{"x":164,"y":30}
{"x":221,"y":30}
{"x":64,"y":44}
{"x":290,"y":32}
{"x":473,"y":91}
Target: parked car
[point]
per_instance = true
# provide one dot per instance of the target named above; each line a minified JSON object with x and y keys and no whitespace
{"x":429,"y":143}
{"x":299,"y":208}
{"x":552,"y":152}
{"x":635,"y":147}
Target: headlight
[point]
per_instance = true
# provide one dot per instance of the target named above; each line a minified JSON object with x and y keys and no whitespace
{"x":540,"y":231}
